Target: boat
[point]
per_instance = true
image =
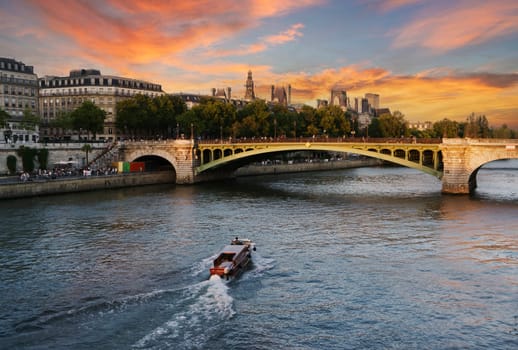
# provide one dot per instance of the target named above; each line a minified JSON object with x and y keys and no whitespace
{"x":233,"y":259}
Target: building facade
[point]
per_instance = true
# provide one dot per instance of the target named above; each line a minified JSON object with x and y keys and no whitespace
{"x":18,"y":95}
{"x":59,"y":95}
{"x":374,"y":100}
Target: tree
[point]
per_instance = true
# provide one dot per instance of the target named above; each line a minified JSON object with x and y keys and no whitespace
{"x":374,"y":129}
{"x":213,"y":117}
{"x":165,"y":110}
{"x":476,"y":127}
{"x":29,"y":120}
{"x":63,"y":121}
{"x":504,"y":132}
{"x":87,"y":148}
{"x":133,"y":115}
{"x":43,"y":158}
{"x":333,"y":121}
{"x":283,"y":118}
{"x":88,"y":117}
{"x":446,"y":128}
{"x":11,"y":164}
{"x":27,"y":154}
{"x":393,"y":125}
{"x":4,"y":117}
{"x":253,"y":120}
{"x":309,"y":119}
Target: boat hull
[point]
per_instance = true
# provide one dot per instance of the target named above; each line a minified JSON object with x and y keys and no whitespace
{"x":232,"y":260}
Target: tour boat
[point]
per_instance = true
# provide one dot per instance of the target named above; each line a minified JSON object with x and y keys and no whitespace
{"x":233,"y":258}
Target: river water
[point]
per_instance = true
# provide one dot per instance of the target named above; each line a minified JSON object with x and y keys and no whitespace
{"x":372,"y":258}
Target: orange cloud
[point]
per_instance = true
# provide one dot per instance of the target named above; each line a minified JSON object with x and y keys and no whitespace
{"x":426,"y":96}
{"x":389,"y":5}
{"x":286,"y":36}
{"x":135,"y":32}
{"x":448,"y":28}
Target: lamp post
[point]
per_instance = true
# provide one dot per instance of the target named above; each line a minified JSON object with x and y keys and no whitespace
{"x":177,"y":131}
{"x":221,"y":133}
{"x":295,"y":129}
{"x":275,"y":128}
{"x":192,"y":131}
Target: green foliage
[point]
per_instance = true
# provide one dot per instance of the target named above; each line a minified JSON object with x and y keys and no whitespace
{"x":504,"y":132}
{"x":29,"y":120}
{"x":253,"y":120}
{"x":43,"y":158}
{"x":374,"y":129}
{"x":4,"y":117}
{"x":476,"y":127}
{"x":87,"y":148}
{"x":11,"y":164}
{"x":27,"y":154}
{"x":88,"y":117}
{"x":446,"y":128}
{"x":63,"y":120}
{"x":167,"y":116}
{"x":393,"y":125}
{"x":333,"y":122}
{"x":144,"y":116}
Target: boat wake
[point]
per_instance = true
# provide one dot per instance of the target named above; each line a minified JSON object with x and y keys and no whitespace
{"x":198,"y":323}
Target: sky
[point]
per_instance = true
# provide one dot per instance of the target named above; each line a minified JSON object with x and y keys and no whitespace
{"x":429,"y":60}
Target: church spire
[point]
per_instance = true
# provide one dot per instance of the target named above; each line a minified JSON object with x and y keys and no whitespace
{"x":249,"y":94}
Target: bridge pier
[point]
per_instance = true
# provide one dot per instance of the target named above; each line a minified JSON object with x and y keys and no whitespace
{"x":455,"y":179}
{"x":462,"y":159}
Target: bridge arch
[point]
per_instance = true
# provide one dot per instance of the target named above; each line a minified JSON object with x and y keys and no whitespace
{"x":397,"y":156}
{"x":157,"y":154}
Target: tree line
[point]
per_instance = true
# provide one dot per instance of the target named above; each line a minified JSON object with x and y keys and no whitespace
{"x":168,"y":117}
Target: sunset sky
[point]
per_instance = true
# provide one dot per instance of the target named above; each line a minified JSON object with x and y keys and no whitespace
{"x":428,"y":59}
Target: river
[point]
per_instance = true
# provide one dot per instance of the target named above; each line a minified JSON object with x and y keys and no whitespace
{"x":369,"y":258}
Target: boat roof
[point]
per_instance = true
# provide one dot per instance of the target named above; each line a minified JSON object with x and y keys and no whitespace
{"x":233,"y":248}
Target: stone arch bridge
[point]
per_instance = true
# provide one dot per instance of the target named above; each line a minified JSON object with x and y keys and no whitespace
{"x":454,"y":161}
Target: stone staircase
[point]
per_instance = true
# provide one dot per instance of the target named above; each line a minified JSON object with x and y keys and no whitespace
{"x":105,"y":159}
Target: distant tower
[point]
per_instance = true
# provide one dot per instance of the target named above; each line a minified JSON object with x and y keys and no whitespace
{"x":341,"y":96}
{"x":249,"y":94}
{"x":374,"y":100}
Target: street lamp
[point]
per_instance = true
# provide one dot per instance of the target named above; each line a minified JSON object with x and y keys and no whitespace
{"x":221,"y":133}
{"x":192,"y":131}
{"x":275,"y":128}
{"x":177,"y":131}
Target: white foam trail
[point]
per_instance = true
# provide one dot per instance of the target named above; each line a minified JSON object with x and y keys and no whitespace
{"x":194,"y":327}
{"x":203,"y":266}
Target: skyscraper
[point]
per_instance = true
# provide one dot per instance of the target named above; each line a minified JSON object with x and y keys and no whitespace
{"x":374,"y":100}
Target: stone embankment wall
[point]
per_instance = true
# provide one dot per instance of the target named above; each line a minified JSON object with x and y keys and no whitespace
{"x":81,"y":184}
{"x":252,"y":170}
{"x":57,"y":153}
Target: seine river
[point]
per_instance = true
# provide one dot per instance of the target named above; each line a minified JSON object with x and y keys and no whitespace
{"x":372,"y":258}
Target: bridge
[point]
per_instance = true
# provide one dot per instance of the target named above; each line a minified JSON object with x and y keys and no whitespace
{"x":455,"y":161}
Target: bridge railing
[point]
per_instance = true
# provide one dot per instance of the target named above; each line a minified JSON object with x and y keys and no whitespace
{"x":405,"y":140}
{"x":470,"y":141}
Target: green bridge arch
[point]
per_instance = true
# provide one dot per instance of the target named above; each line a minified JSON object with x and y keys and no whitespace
{"x":423,"y":157}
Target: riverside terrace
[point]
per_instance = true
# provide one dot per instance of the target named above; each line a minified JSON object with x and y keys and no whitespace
{"x":455,"y":161}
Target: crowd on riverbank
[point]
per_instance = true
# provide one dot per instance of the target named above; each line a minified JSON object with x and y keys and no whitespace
{"x":57,"y":173}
